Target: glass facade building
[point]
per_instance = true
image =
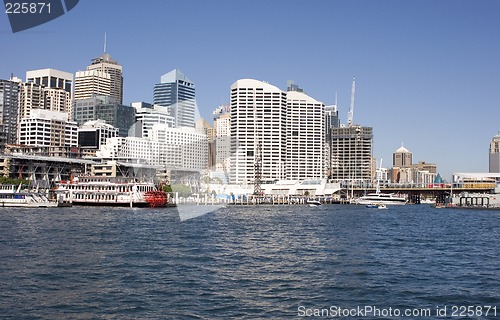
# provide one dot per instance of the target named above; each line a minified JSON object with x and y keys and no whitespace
{"x":177,"y":93}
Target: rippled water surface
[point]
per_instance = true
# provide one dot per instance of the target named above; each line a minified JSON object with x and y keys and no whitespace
{"x":275,"y":262}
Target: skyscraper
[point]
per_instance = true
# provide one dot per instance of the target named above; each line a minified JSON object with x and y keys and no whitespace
{"x":51,"y":78}
{"x":105,"y":64}
{"x":305,"y":136}
{"x":177,"y":93}
{"x":494,"y":159}
{"x":102,"y":77}
{"x":9,"y":90}
{"x":258,"y":131}
{"x":57,"y":87}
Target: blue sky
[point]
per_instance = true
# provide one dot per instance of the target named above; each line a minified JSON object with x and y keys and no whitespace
{"x":427,"y":72}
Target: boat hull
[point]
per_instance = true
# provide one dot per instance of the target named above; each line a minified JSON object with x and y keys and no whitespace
{"x":49,"y":204}
{"x":387,"y":203}
{"x":110,"y":204}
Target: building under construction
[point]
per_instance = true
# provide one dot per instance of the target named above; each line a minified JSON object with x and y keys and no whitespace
{"x":351,"y":150}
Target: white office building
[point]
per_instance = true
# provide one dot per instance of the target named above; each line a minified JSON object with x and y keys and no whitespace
{"x":182,"y":148}
{"x":51,"y":78}
{"x":48,"y":128}
{"x":172,"y":148}
{"x":131,"y":149}
{"x":258,"y":131}
{"x":305,"y":137}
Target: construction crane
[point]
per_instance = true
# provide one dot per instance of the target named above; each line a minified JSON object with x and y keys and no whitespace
{"x":257,"y":189}
{"x":351,"y":108}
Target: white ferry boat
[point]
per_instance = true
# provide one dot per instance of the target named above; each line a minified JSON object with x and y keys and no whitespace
{"x":106,"y":191}
{"x":382,"y":198}
{"x":12,"y":196}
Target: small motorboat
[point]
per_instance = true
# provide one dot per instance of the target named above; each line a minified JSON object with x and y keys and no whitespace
{"x":313,"y":203}
{"x":376,"y":206}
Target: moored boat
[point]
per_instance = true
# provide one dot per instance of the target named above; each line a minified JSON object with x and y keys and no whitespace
{"x":10,"y":196}
{"x":381,"y":198}
{"x":106,"y":191}
{"x":313,"y":203}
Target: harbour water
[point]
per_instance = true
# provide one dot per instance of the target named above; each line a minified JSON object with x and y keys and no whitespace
{"x":265,"y":262}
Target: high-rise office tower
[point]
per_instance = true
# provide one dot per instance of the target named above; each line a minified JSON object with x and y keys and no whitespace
{"x":494,"y":159}
{"x":57,"y":88}
{"x":92,"y":83}
{"x":177,"y":93}
{"x":258,"y":132}
{"x":352,"y":154}
{"x":105,"y":64}
{"x":9,"y":106}
{"x":305,"y":136}
{"x":51,"y":78}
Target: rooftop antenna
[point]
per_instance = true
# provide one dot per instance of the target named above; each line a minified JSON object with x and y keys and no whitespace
{"x":104,"y":42}
{"x":351,"y":108}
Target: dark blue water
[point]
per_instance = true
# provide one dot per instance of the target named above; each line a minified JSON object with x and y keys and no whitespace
{"x":274,"y":262}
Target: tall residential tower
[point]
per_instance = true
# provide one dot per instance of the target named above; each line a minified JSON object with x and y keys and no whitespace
{"x":258,"y":132}
{"x":305,"y":136}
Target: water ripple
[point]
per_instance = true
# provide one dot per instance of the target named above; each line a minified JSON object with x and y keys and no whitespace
{"x":243,"y":262}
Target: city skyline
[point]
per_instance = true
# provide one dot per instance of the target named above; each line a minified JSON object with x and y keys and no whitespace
{"x":426,"y":72}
